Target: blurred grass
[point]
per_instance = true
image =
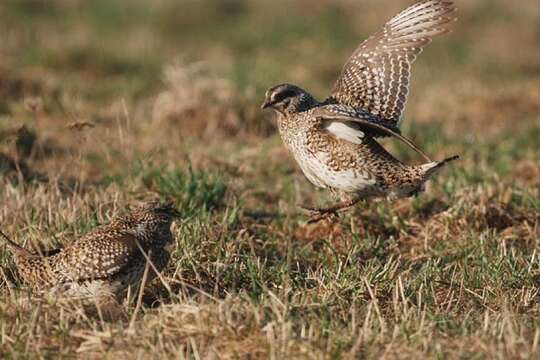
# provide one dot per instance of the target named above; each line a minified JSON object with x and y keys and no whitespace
{"x":253,"y":43}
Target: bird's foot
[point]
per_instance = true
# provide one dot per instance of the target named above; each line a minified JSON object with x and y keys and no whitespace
{"x":318,"y":214}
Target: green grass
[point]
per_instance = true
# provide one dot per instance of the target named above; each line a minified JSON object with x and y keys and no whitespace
{"x":194,"y":191}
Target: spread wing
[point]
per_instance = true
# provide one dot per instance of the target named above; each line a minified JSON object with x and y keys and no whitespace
{"x":376,"y":77}
{"x":352,"y":125}
{"x":97,"y":258}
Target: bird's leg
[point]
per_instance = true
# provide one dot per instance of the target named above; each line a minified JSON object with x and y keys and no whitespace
{"x":317,"y":214}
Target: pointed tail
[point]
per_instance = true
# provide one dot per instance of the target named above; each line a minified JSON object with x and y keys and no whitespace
{"x":432,"y":167}
{"x":16,"y":248}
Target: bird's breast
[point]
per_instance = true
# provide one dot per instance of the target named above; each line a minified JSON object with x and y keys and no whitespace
{"x":326,"y":162}
{"x":323,"y":170}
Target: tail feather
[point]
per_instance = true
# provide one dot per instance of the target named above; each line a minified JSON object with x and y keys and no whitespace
{"x":432,"y":167}
{"x":16,"y":248}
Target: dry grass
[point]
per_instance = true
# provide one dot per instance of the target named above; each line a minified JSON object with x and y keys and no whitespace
{"x":119,"y":107}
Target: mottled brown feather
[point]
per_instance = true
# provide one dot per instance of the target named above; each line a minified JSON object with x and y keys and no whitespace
{"x":105,"y":261}
{"x":325,"y":114}
{"x":376,"y":77}
{"x":334,"y":141}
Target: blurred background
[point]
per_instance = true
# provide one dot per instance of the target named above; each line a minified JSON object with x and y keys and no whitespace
{"x":100,"y":84}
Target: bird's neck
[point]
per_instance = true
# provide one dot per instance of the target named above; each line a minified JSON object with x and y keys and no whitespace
{"x":305,"y":103}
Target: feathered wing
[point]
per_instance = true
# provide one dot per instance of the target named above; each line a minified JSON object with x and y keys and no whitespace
{"x":98,"y":260}
{"x":376,"y":77}
{"x":353,"y":127}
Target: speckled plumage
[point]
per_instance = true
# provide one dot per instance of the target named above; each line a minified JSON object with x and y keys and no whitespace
{"x":105,"y":261}
{"x":334,"y":141}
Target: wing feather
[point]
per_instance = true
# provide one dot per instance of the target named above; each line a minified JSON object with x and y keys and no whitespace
{"x":376,"y":77}
{"x":353,"y":128}
{"x":91,"y":259}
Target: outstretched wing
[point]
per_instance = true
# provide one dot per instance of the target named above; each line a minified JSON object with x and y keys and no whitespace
{"x":376,"y":77}
{"x":352,"y":125}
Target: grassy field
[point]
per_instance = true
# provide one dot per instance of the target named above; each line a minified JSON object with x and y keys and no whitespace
{"x":108,"y":102}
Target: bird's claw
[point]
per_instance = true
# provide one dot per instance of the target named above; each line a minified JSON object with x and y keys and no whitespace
{"x":318,"y":214}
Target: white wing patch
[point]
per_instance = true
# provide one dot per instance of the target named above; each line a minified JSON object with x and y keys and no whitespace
{"x":345,"y":131}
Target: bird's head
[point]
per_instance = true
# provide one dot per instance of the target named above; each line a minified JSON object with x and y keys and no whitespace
{"x":287,"y":98}
{"x":153,"y":221}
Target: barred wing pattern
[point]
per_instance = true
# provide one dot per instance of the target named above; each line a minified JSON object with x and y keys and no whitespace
{"x":376,"y":77}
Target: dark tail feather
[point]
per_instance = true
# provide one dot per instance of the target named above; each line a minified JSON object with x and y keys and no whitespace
{"x":15,"y":248}
{"x":432,"y":167}
{"x":447,"y":160}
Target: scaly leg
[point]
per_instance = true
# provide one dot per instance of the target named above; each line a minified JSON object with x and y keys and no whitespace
{"x":318,"y":214}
